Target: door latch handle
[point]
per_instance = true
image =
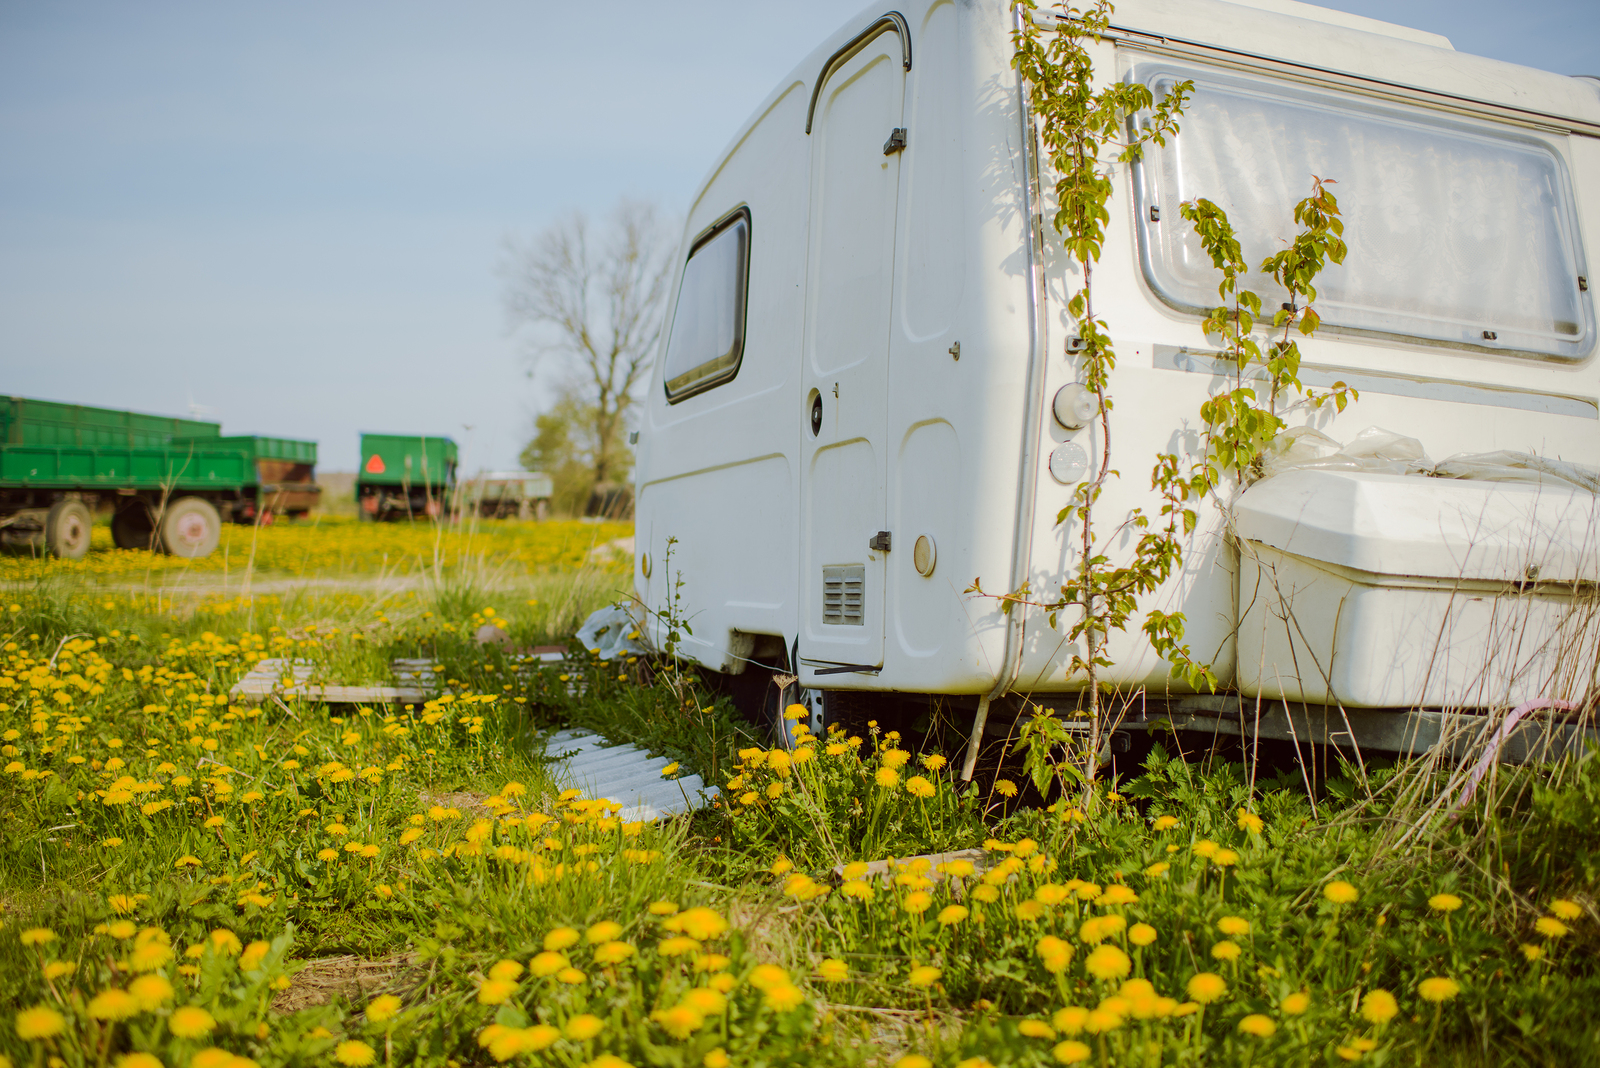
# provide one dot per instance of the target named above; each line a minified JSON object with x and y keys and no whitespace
{"x":880,"y":541}
{"x":896,"y":142}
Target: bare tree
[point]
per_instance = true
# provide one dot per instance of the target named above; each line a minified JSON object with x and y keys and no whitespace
{"x":594,"y":302}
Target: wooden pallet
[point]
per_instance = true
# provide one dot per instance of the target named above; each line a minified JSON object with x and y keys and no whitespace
{"x":415,"y":682}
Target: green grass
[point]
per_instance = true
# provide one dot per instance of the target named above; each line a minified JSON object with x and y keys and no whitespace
{"x":135,"y":686}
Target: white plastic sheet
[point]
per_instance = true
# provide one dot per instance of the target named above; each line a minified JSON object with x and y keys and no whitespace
{"x":612,"y":631}
{"x":1374,"y":449}
{"x":1377,"y":449}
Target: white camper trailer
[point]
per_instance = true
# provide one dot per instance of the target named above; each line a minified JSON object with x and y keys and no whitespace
{"x":852,"y":414}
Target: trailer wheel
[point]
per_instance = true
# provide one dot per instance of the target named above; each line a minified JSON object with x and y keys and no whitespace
{"x":131,"y":527}
{"x":190,"y":528}
{"x":66,"y":530}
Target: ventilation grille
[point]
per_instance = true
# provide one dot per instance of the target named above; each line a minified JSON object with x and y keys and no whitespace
{"x":843,"y":595}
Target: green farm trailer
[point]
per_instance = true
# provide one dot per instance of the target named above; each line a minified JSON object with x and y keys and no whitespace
{"x":405,"y":476}
{"x":168,"y":483}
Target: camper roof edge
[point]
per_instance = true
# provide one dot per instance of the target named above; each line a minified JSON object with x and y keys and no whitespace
{"x":1268,"y":37}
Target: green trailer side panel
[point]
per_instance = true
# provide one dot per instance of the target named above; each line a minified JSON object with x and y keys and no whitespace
{"x":260,"y":448}
{"x":147,"y":469}
{"x":25,"y":421}
{"x":396,"y":459}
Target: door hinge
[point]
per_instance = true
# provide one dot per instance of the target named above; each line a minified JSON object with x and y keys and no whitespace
{"x":896,"y":142}
{"x":880,"y":541}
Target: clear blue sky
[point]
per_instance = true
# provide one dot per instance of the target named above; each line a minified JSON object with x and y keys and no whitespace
{"x":290,"y":214}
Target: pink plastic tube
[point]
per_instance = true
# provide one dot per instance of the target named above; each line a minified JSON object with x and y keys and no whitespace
{"x":1498,"y":739}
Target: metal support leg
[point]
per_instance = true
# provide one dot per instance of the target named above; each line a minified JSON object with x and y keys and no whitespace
{"x":976,"y":740}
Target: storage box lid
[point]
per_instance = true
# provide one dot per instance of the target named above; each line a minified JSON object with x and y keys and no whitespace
{"x":1427,"y":527}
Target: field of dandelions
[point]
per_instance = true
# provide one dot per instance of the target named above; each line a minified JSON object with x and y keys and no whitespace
{"x":199,"y":883}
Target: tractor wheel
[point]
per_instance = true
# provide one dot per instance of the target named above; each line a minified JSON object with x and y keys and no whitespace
{"x":190,"y":528}
{"x":66,"y":530}
{"x":131,"y":527}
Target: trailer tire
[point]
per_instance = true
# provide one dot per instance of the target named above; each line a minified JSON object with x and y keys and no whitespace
{"x":190,"y":528}
{"x":132,"y":528}
{"x":67,"y":529}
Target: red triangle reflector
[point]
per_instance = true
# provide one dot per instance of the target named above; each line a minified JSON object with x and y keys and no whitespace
{"x":375,"y":465}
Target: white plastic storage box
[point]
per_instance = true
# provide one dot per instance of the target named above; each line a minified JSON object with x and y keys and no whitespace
{"x":1400,"y":591}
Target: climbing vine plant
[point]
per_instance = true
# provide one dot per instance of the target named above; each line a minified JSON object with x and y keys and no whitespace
{"x":1084,"y":133}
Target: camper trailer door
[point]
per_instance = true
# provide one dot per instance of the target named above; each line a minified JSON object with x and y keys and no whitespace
{"x":855,"y":178}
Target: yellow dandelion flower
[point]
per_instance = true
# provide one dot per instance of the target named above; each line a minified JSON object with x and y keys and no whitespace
{"x":113,"y":1004}
{"x":1566,"y":910}
{"x":952,"y":914}
{"x":138,"y":1060}
{"x":150,"y":991}
{"x":783,"y":998}
{"x":604,"y":931}
{"x":717,"y":1058}
{"x":37,"y":936}
{"x":1444,"y":902}
{"x":583,"y":1027}
{"x":662,"y":908}
{"x":833,"y":970}
{"x":677,"y":946}
{"x":496,"y":991}
{"x":1550,"y":927}
{"x":570,"y":976}
{"x":886,"y":777}
{"x":1379,"y":1007}
{"x":1030,"y":911}
{"x":212,"y":1057}
{"x":917,"y":786}
{"x":1225,"y":951}
{"x":190,"y":1021}
{"x":917,"y":902}
{"x":700,"y":923}
{"x":608,"y":953}
{"x":1340,"y":892}
{"x":1233,"y":926}
{"x":1035,"y":1029}
{"x":1071,"y":1052}
{"x":505,"y":969}
{"x":1141,"y":934}
{"x":561,"y":938}
{"x":913,"y":1060}
{"x":1206,"y":987}
{"x":1070,"y":1020}
{"x":41,"y":1021}
{"x":766,"y":976}
{"x":1107,"y":962}
{"x":1258,"y":1025}
{"x":253,"y":955}
{"x":1296,"y":1003}
{"x":1005,"y":788}
{"x":924,"y":975}
{"x":382,"y":1009}
{"x":1438,"y":988}
{"x":354,"y":1053}
{"x":1531,"y":952}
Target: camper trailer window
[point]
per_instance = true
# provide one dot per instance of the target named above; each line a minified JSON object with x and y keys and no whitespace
{"x":707,"y":337}
{"x":1460,"y":232}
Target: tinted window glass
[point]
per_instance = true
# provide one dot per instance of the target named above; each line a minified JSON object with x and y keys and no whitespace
{"x":707,"y":338}
{"x":1459,"y":231}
